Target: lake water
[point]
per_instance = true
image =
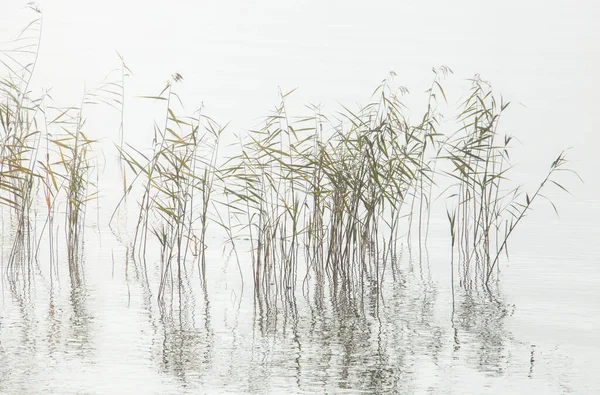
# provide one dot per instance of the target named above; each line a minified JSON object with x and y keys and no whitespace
{"x":536,"y":330}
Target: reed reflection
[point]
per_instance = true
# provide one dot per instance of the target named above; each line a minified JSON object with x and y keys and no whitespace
{"x":363,"y":335}
{"x":80,"y":337}
{"x":183,"y":343}
{"x":480,"y":320}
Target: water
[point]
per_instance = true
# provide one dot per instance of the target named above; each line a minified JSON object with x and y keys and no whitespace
{"x":537,"y":331}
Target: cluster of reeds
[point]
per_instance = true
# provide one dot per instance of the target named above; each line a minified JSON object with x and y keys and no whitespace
{"x":263,"y":199}
{"x":19,"y":143}
{"x":316,"y":195}
{"x":330,"y":194}
{"x":177,"y":183}
{"x":70,"y":174}
{"x":26,"y":166}
{"x":18,"y":156}
{"x":485,"y":211}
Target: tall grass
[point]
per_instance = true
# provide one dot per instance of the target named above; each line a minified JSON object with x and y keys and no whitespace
{"x":486,"y":212}
{"x":337,"y":188}
{"x":323,"y":198}
{"x":177,"y":182}
{"x":71,"y":175}
{"x":340,"y":188}
{"x":59,"y":165}
{"x":19,"y":141}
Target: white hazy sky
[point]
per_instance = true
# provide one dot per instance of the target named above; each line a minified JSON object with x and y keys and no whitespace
{"x":234,"y":55}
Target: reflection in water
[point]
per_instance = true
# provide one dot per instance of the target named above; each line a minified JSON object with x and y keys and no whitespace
{"x":373,"y":337}
{"x":531,"y":361}
{"x":481,"y":316}
{"x":22,"y":296}
{"x":80,"y":326}
{"x":394,"y":332}
{"x":366,"y":337}
{"x":42,"y":328}
{"x":182,"y":346}
{"x":54,"y":333}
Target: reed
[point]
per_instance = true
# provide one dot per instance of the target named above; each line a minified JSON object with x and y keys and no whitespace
{"x":19,"y":141}
{"x":177,"y":182}
{"x":486,"y":211}
{"x":71,"y":176}
{"x":61,"y":165}
{"x":262,"y":185}
{"x":328,"y":195}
